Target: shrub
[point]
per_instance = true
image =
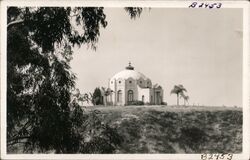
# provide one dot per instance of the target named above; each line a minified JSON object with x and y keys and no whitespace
{"x":109,"y":104}
{"x":164,"y":103}
{"x":136,"y":103}
{"x":148,"y":103}
{"x":97,"y":97}
{"x":193,"y":138}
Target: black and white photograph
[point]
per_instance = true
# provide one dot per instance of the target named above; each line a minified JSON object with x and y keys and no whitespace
{"x":125,"y":80}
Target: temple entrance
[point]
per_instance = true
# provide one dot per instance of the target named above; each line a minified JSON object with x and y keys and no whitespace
{"x":130,"y":96}
{"x":158,"y":98}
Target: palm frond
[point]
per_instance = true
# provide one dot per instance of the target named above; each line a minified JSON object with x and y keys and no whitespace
{"x":182,"y":95}
{"x":103,"y":88}
{"x":181,"y":87}
{"x":174,"y":90}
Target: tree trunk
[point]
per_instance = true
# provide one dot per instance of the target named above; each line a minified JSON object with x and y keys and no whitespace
{"x":177,"y":99}
{"x":105,"y":100}
{"x":14,"y":23}
{"x":111,"y":99}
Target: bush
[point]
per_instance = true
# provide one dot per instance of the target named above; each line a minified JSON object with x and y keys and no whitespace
{"x":109,"y":103}
{"x":97,"y":97}
{"x":164,"y":103}
{"x":136,"y":103}
{"x":151,"y":103}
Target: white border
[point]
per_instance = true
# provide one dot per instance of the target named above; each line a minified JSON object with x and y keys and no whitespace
{"x":154,"y":4}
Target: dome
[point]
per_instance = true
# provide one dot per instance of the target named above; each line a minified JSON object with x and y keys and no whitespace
{"x":125,"y":74}
{"x":129,"y":72}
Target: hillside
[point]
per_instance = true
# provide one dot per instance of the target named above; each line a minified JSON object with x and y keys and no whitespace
{"x":171,"y":129}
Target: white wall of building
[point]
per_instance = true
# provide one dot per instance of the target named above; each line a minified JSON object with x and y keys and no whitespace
{"x":144,"y":92}
{"x":140,"y":85}
{"x":131,"y":84}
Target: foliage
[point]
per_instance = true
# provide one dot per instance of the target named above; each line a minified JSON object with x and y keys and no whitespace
{"x":164,"y":103}
{"x":38,"y":96}
{"x":164,"y":130}
{"x":130,"y":129}
{"x":178,"y":90}
{"x":99,"y":137}
{"x":185,"y":97}
{"x":43,"y":114}
{"x":194,"y":137}
{"x":97,"y":97}
{"x":107,"y":92}
{"x":136,"y":103}
{"x":134,"y":11}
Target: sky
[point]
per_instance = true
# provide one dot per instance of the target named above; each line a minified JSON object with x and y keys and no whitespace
{"x":198,"y":48}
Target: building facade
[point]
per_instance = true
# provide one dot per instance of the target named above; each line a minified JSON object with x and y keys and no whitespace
{"x":129,"y":86}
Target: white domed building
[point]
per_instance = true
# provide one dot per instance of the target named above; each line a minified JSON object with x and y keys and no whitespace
{"x":129,"y":86}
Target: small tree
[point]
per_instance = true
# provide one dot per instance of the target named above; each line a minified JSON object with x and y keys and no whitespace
{"x":97,"y":97}
{"x":185,"y":98}
{"x":178,"y":90}
{"x":107,"y":92}
{"x":82,"y":98}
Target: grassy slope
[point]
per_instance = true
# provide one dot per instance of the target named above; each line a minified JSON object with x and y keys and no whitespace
{"x":165,"y":129}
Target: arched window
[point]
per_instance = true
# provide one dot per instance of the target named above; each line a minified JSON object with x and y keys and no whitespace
{"x":142,"y":98}
{"x":119,"y":96}
{"x":148,"y":84}
{"x":130,"y":96}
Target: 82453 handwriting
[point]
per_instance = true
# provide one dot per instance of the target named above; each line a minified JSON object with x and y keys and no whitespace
{"x":205,"y":5}
{"x":222,"y":156}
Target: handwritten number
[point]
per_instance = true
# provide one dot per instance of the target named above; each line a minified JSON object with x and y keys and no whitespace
{"x":201,"y":5}
{"x":212,"y":6}
{"x":193,"y":5}
{"x":217,"y":156}
{"x":205,"y":5}
{"x":203,"y":156}
{"x":230,"y":156}
{"x":219,"y":5}
{"x":222,"y":156}
{"x":210,"y":156}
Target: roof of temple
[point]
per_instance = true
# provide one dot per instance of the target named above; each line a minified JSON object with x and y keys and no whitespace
{"x":129,"y":72}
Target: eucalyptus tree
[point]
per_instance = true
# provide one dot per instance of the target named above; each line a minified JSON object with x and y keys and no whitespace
{"x":42,"y":112}
{"x":178,"y":90}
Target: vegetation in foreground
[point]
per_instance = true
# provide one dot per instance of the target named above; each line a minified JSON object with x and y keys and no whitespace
{"x":163,"y":130}
{"x":44,"y":116}
{"x":43,"y":113}
{"x":157,"y":129}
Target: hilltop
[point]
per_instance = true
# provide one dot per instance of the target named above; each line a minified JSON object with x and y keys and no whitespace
{"x":175,"y":129}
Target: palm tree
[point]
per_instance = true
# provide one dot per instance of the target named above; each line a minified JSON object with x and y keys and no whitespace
{"x":106,"y":92}
{"x":185,"y":98}
{"x":178,"y":90}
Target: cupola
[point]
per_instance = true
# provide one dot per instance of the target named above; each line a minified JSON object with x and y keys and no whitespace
{"x":129,"y":67}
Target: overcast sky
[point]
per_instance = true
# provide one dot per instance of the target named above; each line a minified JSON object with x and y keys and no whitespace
{"x":198,"y":48}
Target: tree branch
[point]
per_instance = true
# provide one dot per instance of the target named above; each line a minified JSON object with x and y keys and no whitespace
{"x":15,"y":140}
{"x":14,"y":23}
